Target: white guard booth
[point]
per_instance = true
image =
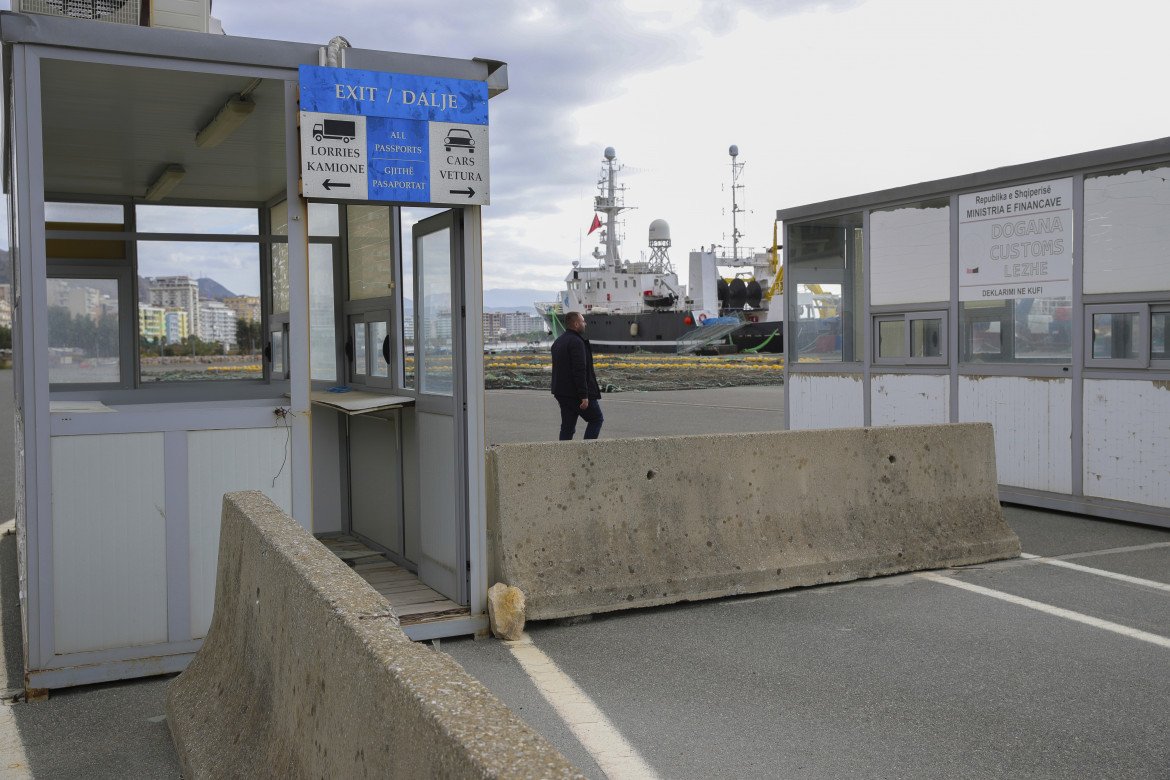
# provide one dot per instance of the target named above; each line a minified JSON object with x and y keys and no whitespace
{"x":1033,"y":297}
{"x":237,"y":264}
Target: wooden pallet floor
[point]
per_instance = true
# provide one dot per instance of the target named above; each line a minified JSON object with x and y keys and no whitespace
{"x":411,"y":601}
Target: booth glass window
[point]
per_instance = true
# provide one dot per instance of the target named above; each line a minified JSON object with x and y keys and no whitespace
{"x":208,"y":296}
{"x":279,"y":214}
{"x":1126,"y":335}
{"x":370,"y":252}
{"x":196,"y":219}
{"x":434,"y":313}
{"x":324,"y":220}
{"x":916,"y":337}
{"x":1016,"y":330}
{"x":824,"y":269}
{"x":175,"y":292}
{"x":322,"y":312}
{"x":85,"y":214}
{"x":407,"y":323}
{"x":1158,"y":322}
{"x":84,"y":328}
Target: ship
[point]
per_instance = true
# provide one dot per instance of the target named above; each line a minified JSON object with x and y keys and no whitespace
{"x":640,"y":306}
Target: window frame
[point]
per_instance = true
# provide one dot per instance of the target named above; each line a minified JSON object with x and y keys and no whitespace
{"x":134,"y":390}
{"x":128,"y":351}
{"x":1163,"y":309}
{"x":1144,"y":358}
{"x":907,"y":319}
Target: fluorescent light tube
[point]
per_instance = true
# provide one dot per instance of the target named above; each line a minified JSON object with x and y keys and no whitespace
{"x":167,"y":181}
{"x":231,"y":115}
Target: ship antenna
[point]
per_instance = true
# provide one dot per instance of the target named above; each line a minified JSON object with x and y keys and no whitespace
{"x":609,"y":203}
{"x":736,"y":172}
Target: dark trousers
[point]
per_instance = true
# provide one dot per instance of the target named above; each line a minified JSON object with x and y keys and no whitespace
{"x":571,"y":410}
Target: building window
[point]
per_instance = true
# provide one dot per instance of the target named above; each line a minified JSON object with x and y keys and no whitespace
{"x":1020,"y":330}
{"x":912,"y":338}
{"x":175,"y":289}
{"x":825,"y":273}
{"x":1159,"y":354}
{"x":1126,"y":336}
{"x":84,"y":329}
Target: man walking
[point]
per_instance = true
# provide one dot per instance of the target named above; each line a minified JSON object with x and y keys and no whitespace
{"x":573,"y":382}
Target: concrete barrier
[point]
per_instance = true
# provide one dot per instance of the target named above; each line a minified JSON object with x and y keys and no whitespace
{"x":585,"y":527}
{"x":305,"y":673}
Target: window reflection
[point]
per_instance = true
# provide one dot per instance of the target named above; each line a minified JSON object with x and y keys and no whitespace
{"x":1158,"y":336}
{"x":925,"y":338}
{"x":434,"y":320}
{"x":1116,"y":335}
{"x":1035,"y":330}
{"x":83,"y":331}
{"x":824,"y":267}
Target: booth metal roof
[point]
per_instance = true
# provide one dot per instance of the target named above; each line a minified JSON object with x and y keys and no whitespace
{"x":1129,"y":154}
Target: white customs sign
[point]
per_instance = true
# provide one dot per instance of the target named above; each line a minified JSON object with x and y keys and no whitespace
{"x":1016,"y":242}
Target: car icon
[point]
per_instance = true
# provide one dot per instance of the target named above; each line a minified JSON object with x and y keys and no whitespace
{"x":460,"y":138}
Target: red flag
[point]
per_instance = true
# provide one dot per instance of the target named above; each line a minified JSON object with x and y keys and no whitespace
{"x":596,"y":224}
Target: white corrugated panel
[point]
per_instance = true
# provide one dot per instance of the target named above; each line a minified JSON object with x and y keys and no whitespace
{"x":192,"y":15}
{"x":1033,"y":427}
{"x":910,"y":256}
{"x":1127,"y":441}
{"x":826,"y":401}
{"x":109,"y":542}
{"x":1127,"y":231}
{"x":909,"y":399}
{"x":220,"y":462}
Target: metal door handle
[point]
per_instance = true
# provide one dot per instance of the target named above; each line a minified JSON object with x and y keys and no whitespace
{"x":386,"y":349}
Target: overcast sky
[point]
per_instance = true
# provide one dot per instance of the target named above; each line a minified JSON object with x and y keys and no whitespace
{"x":825,"y":99}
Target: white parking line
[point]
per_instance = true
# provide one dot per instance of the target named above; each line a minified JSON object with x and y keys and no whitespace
{"x":616,"y":757}
{"x":1114,"y":551}
{"x":1068,"y":614}
{"x":1099,"y":572}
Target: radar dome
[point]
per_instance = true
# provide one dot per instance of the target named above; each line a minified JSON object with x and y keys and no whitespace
{"x":610,"y":153}
{"x":733,"y":151}
{"x":659,"y":230}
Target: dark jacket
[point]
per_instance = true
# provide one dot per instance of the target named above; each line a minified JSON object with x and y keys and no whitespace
{"x":572,"y":367}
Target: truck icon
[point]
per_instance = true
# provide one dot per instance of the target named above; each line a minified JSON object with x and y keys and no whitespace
{"x":337,"y":129}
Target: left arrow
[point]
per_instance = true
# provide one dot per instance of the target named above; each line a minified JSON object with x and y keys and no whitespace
{"x":327,"y":184}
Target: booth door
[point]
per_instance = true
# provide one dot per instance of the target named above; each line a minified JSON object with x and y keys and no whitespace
{"x":439,"y":408}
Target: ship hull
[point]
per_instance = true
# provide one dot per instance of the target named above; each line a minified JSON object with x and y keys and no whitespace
{"x":655,"y":331}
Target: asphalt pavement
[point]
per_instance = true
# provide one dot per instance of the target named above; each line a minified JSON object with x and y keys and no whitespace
{"x":1043,"y":670}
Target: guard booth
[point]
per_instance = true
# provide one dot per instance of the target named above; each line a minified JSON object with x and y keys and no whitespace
{"x":1033,"y":297}
{"x":237,"y":264}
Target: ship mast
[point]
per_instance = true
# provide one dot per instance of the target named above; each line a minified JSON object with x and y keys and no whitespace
{"x":736,"y":172}
{"x":609,"y":203}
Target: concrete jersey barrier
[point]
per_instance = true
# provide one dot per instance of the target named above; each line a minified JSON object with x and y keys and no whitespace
{"x":585,"y":527}
{"x":304,"y":673}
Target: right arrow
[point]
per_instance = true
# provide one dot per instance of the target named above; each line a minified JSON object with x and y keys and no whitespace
{"x":468,"y":192}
